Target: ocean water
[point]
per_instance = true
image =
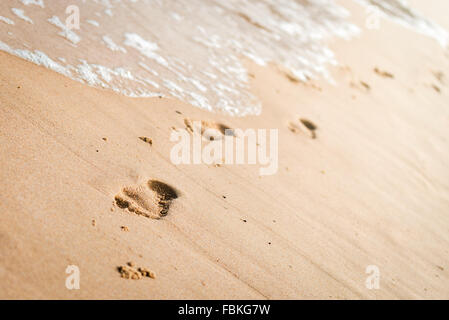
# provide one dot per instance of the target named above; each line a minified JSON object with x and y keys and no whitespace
{"x":193,"y":50}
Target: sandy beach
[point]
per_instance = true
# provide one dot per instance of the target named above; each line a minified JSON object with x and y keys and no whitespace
{"x":368,"y":187}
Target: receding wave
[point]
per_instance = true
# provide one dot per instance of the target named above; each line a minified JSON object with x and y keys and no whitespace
{"x":192,"y":50}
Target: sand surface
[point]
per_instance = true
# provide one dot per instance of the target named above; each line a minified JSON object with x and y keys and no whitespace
{"x":371,"y":189}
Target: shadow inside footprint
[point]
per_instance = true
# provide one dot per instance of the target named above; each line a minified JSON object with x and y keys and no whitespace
{"x":304,"y":124}
{"x":165,"y":195}
{"x":311,"y":126}
{"x":151,"y":200}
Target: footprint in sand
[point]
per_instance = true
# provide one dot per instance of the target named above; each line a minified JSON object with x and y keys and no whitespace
{"x":304,"y":125}
{"x":361,"y":85}
{"x":147,"y":140}
{"x":307,"y":82}
{"x":210,"y":130}
{"x":440,"y":77}
{"x":151,"y":199}
{"x":384,"y":74}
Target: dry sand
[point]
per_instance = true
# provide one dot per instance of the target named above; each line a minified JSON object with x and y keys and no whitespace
{"x":371,"y":189}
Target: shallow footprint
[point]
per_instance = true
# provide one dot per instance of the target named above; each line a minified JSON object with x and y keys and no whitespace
{"x":361,"y":85}
{"x":304,"y":125}
{"x":383,"y":73}
{"x":208,"y":129}
{"x":151,"y":199}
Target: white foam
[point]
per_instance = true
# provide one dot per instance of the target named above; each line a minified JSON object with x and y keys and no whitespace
{"x":109,"y":12}
{"x":112,"y":46}
{"x":94,"y":23}
{"x":39,"y":3}
{"x":400,"y":12}
{"x":6,"y":20}
{"x":147,"y":48}
{"x":21,"y":14}
{"x":36,"y":57}
{"x":65,"y":31}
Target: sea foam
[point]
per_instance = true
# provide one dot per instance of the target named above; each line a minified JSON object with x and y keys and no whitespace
{"x":193,"y":50}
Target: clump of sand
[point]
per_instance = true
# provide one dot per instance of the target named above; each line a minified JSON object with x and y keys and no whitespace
{"x":129,"y":271}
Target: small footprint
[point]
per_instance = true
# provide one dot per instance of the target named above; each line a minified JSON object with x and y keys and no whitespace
{"x":436,"y":88}
{"x":304,"y":125}
{"x":150,"y":200}
{"x":306,"y":82}
{"x":439,"y":76}
{"x":361,"y":85}
{"x":147,"y":140}
{"x":291,"y":77}
{"x":208,"y":129}
{"x":384,"y":74}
